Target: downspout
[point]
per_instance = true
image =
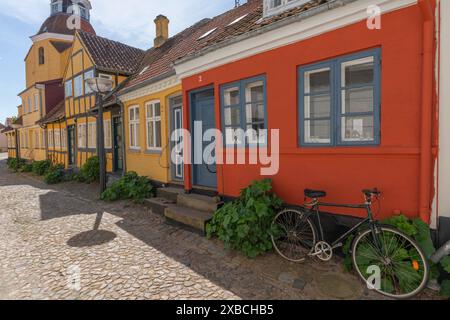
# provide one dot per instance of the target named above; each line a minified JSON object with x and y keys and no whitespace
{"x":427,"y":109}
{"x":124,"y":151}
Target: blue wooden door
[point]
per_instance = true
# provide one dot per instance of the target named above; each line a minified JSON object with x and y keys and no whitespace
{"x":202,"y":109}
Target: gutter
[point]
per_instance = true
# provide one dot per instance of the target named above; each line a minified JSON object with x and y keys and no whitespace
{"x":426,"y":153}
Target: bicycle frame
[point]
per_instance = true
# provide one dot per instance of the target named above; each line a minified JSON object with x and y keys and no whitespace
{"x":315,"y":206}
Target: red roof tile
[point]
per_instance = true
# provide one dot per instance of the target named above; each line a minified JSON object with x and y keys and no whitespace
{"x":111,"y":55}
{"x":58,"y":24}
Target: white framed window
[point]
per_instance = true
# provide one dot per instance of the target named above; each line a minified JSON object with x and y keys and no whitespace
{"x":64,"y":138}
{"x":68,"y":88}
{"x":107,"y":134}
{"x":153,"y":125}
{"x":81,"y":134}
{"x":36,"y":101}
{"x":78,"y":86}
{"x":88,"y":75}
{"x":50,"y":139}
{"x":133,"y":116}
{"x":92,"y":135}
{"x":57,"y":135}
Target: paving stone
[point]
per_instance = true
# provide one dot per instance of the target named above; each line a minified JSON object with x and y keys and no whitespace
{"x":146,"y":259}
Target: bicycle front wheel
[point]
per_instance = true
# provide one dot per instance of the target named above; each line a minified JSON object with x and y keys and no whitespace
{"x":390,"y":263}
{"x":293,"y":235}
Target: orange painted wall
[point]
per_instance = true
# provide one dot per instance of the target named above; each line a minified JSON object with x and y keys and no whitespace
{"x":343,"y":172}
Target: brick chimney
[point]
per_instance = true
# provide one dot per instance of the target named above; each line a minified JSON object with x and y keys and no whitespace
{"x":162,"y":30}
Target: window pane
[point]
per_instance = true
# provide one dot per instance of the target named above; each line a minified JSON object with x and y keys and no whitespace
{"x":157,"y":109}
{"x":257,"y":133}
{"x":136,"y":113}
{"x":358,"y":72}
{"x":317,"y":80}
{"x":317,"y":106}
{"x":137,"y":135}
{"x":158,"y":134}
{"x":232,"y":116}
{"x":357,"y":100}
{"x":231,"y":96}
{"x":255,"y":113}
{"x":358,"y":128}
{"x":317,"y":131}
{"x":149,"y":111}
{"x":150,"y":137}
{"x":234,"y":136}
{"x":132,"y":138}
{"x":254,"y":92}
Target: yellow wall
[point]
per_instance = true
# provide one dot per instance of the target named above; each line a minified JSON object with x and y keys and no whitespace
{"x":154,"y":166}
{"x":57,"y":153}
{"x":32,"y":146}
{"x":11,"y":138}
{"x":52,"y":68}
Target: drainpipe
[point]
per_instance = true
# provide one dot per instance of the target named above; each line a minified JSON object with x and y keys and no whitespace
{"x":124,"y":151}
{"x":426,"y":7}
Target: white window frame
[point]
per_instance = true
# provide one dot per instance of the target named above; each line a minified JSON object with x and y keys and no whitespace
{"x":64,"y":138}
{"x":68,"y":88}
{"x":134,"y":127}
{"x":151,"y":145}
{"x":78,"y":86}
{"x":57,"y":135}
{"x":81,"y":135}
{"x":92,"y":135}
{"x":88,"y":75}
{"x":107,"y":133}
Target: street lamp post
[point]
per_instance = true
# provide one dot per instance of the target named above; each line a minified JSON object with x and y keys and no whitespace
{"x":100,"y":86}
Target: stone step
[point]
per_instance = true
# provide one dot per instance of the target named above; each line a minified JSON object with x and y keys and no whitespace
{"x":158,"y":205}
{"x":169,"y":193}
{"x":198,"y":202}
{"x":191,"y":218}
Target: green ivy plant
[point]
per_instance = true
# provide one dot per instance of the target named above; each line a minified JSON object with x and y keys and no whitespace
{"x":131,"y":186}
{"x":245,"y":224}
{"x":55,"y":174}
{"x":40,"y":168}
{"x":16,"y":164}
{"x":90,"y":171}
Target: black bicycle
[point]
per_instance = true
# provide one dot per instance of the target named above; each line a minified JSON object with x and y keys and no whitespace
{"x":386,"y":259}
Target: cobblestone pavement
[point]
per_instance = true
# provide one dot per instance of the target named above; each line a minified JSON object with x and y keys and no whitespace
{"x":123,"y":251}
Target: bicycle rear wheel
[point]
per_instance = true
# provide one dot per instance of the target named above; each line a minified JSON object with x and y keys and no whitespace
{"x":396,"y":259}
{"x":294,"y":235}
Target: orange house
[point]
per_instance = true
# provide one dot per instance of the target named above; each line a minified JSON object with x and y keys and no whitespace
{"x":351,"y":89}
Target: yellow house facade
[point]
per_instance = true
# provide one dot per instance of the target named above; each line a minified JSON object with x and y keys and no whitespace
{"x":147,"y":130}
{"x":91,"y":56}
{"x":153,"y":107}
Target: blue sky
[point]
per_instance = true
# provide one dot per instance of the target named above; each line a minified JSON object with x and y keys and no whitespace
{"x":131,"y":23}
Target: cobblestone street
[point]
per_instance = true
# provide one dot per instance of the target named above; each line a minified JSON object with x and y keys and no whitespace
{"x":124,"y":251}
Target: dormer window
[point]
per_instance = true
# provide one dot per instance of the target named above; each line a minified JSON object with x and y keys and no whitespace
{"x":273,"y":7}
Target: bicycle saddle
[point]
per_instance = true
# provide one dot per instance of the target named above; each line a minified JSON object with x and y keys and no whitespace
{"x":314,"y":194}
